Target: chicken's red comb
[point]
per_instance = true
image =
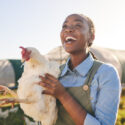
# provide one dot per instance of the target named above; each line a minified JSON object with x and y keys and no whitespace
{"x":23,"y":50}
{"x":21,"y":47}
{"x":25,"y":53}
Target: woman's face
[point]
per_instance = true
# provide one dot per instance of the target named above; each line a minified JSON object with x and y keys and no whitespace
{"x":75,"y":34}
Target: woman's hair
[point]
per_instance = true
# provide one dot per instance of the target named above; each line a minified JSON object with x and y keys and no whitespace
{"x":91,"y":27}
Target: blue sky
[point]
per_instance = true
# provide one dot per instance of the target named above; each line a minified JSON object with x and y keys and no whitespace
{"x":37,"y":23}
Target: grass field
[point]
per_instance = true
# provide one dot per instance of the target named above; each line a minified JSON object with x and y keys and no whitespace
{"x":121,"y":111}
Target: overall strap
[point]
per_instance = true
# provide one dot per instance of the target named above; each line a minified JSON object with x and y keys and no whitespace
{"x":92,"y":72}
{"x":87,"y":83}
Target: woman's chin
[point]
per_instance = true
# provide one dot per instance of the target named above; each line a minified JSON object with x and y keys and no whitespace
{"x":70,"y":51}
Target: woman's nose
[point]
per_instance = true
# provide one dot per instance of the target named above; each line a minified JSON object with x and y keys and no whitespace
{"x":70,"y":29}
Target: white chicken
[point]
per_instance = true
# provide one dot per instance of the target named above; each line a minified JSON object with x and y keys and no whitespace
{"x":39,"y":106}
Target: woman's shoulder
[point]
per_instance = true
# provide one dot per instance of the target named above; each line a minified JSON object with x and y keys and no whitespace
{"x":107,"y":75}
{"x":107,"y":68}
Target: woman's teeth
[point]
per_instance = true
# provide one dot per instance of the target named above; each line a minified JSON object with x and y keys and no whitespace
{"x":69,"y":38}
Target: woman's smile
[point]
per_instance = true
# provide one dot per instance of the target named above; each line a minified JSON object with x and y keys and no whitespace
{"x":69,"y":40}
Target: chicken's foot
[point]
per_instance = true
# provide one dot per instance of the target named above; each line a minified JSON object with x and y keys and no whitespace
{"x":12,"y":101}
{"x":6,"y":90}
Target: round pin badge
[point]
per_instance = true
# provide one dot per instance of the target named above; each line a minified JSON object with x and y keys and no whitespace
{"x":85,"y":87}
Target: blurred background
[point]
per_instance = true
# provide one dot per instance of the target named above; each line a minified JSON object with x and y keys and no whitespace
{"x":38,"y":23}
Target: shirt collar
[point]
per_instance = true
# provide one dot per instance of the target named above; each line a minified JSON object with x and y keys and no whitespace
{"x":85,"y":66}
{"x":82,"y":68}
{"x":66,"y":68}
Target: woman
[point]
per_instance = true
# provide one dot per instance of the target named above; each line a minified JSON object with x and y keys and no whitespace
{"x":88,"y":91}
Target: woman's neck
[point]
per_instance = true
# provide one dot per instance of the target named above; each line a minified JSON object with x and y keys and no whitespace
{"x":76,"y":59}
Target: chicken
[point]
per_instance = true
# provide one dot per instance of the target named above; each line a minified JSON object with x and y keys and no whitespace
{"x":39,"y":106}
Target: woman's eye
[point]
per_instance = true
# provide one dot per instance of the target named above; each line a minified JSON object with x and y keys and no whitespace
{"x":64,"y":26}
{"x":78,"y":25}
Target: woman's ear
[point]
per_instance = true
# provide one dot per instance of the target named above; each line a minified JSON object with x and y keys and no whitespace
{"x":91,"y":39}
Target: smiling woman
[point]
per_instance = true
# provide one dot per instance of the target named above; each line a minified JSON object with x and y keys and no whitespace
{"x":88,"y":91}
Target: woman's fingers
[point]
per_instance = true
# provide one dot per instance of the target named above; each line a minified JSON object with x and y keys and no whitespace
{"x":51,"y":77}
{"x":45,"y":85}
{"x":47,"y":92}
{"x":45,"y":80}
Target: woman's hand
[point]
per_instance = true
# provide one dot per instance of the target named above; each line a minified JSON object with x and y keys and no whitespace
{"x":52,"y":85}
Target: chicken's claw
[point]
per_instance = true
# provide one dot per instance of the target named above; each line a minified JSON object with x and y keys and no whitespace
{"x":5,"y":101}
{"x":13,"y":100}
{"x":5,"y":90}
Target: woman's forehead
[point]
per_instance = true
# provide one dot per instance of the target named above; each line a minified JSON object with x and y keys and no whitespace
{"x":75,"y":17}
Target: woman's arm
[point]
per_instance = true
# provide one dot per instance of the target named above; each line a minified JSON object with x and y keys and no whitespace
{"x":106,"y":83}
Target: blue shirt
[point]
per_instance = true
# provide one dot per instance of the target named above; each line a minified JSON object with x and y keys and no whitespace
{"x":105,"y":90}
